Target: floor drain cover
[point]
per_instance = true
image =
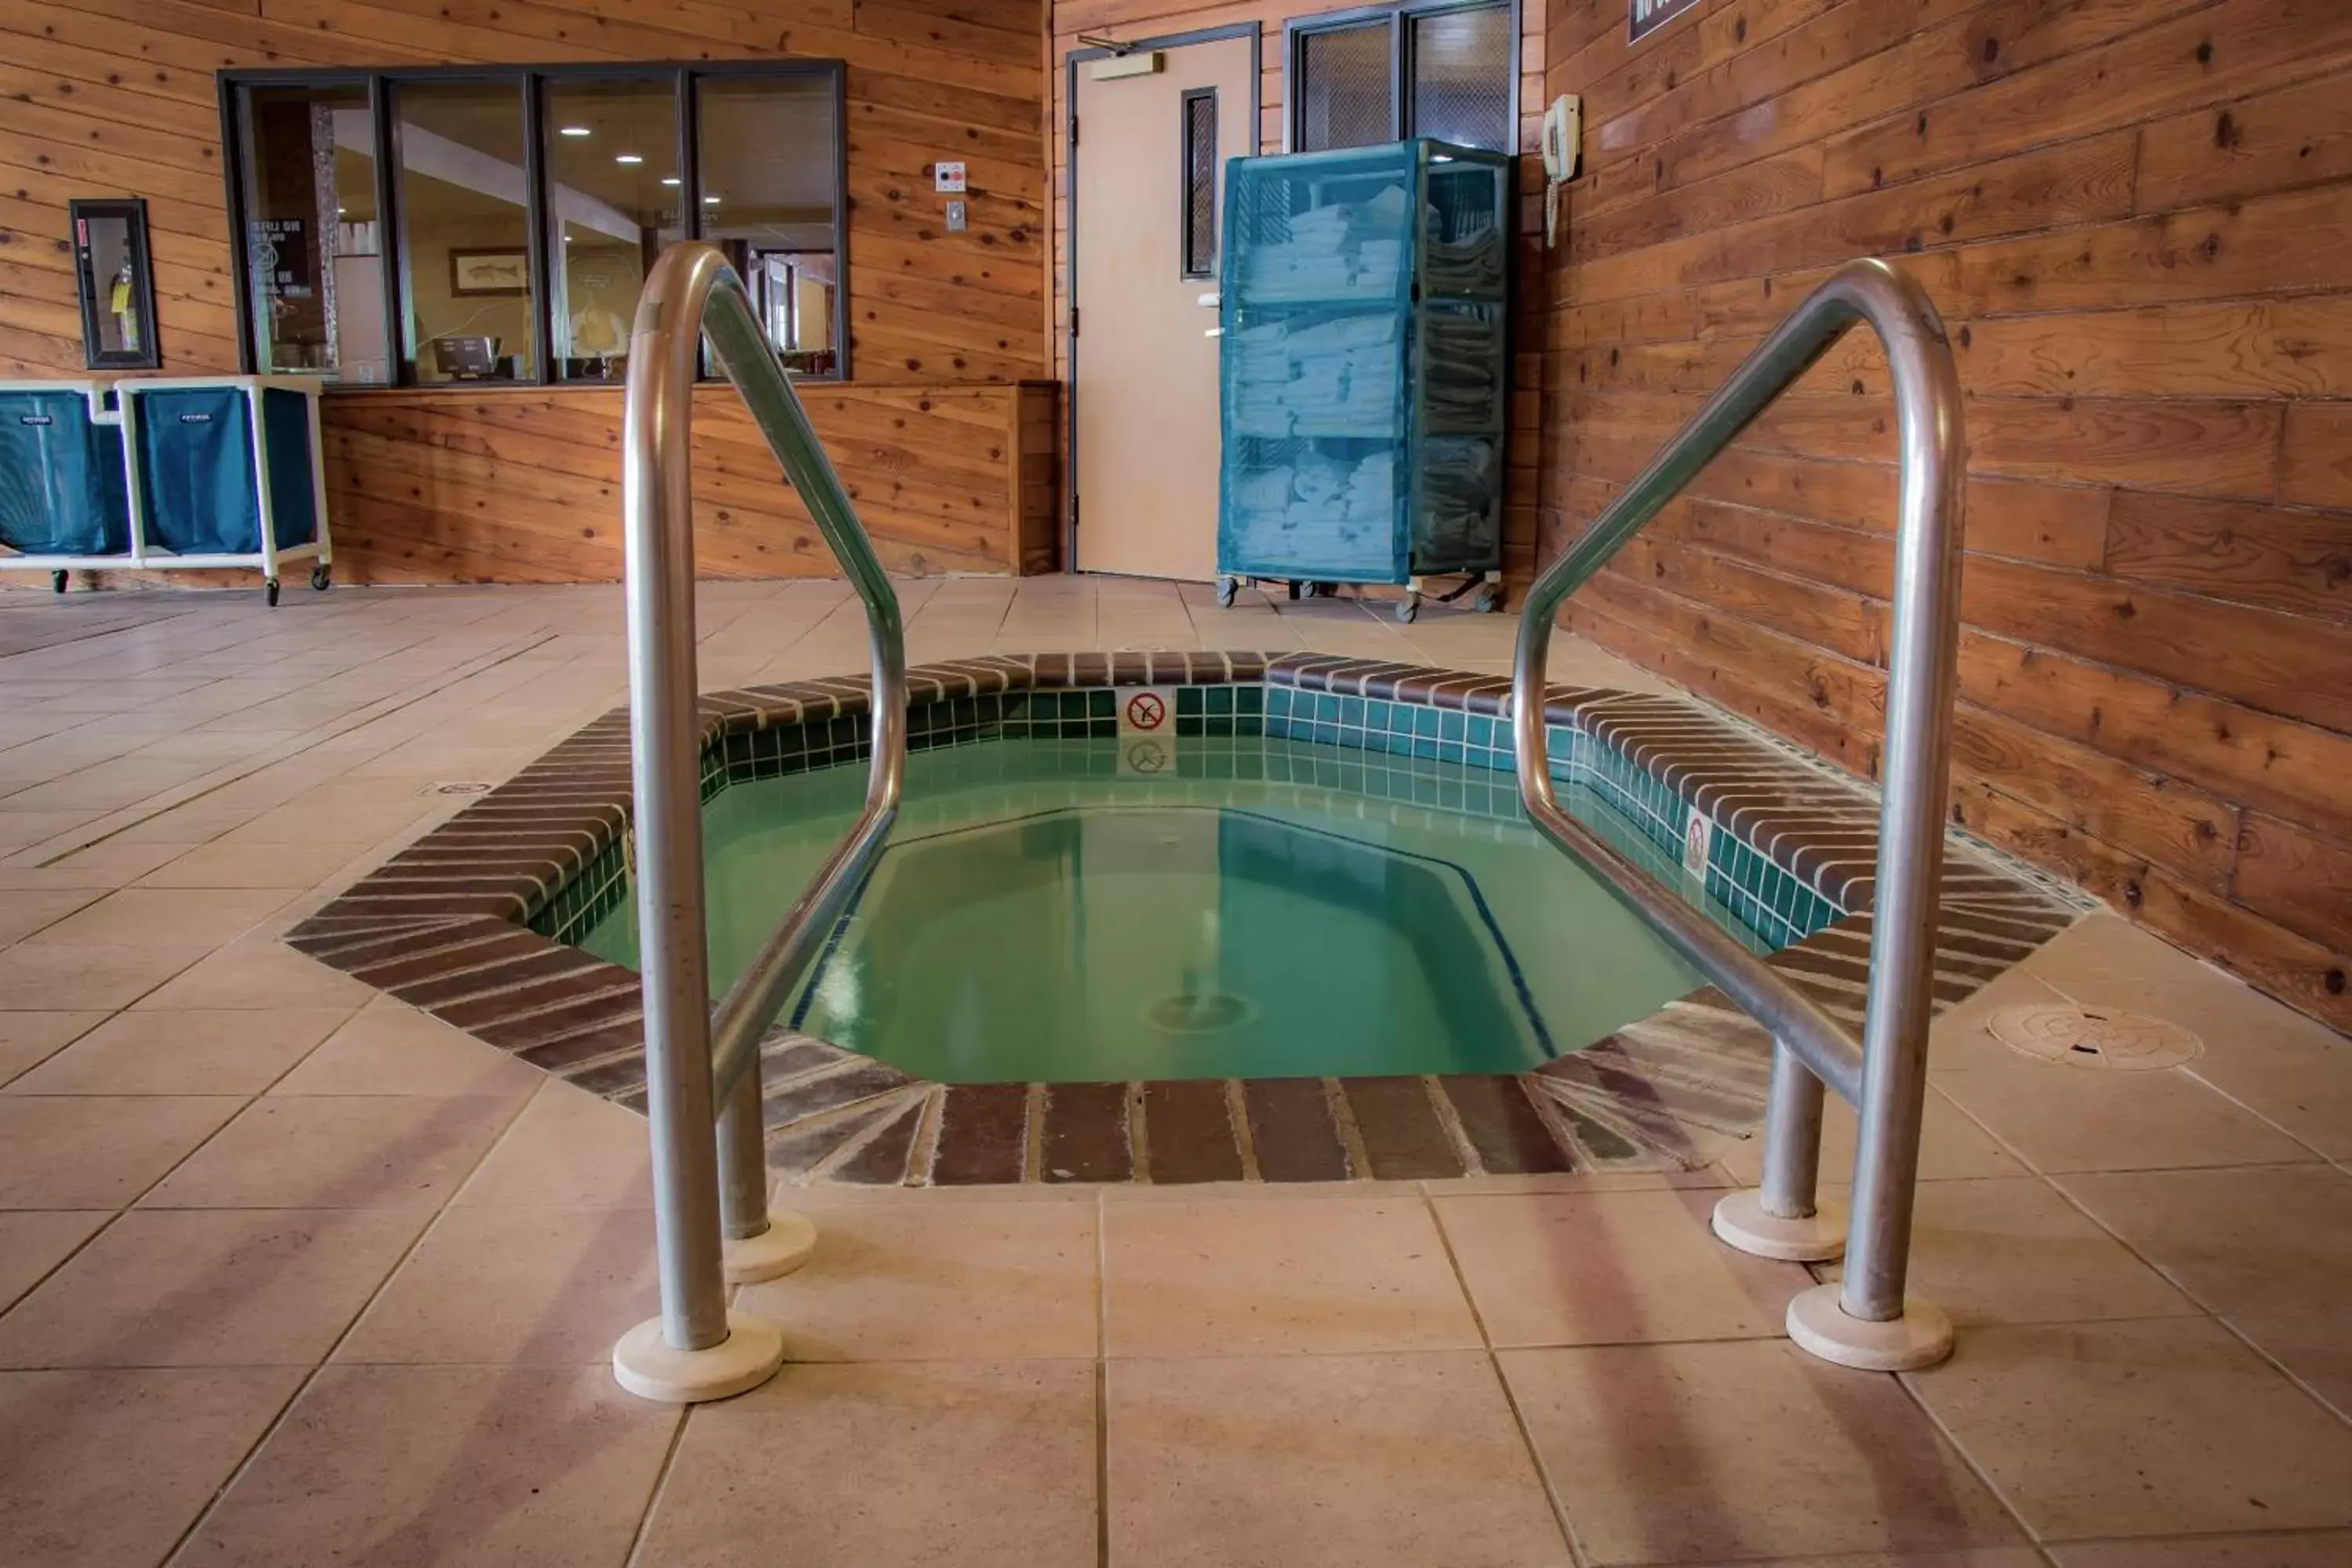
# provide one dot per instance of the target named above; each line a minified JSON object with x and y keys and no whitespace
{"x":2094,"y":1038}
{"x":468,"y":787}
{"x":1201,"y":1014}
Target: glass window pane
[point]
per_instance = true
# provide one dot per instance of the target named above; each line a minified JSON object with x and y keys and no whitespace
{"x":1200,"y":184}
{"x":307,"y":169}
{"x":1343,"y":89}
{"x":465,"y":228}
{"x":613,"y":201}
{"x":1461,"y":77}
{"x":770,"y":166}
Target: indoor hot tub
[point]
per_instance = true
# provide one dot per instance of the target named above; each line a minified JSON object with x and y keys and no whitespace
{"x":1178,"y":916}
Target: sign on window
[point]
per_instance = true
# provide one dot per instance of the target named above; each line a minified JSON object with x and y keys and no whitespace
{"x":1645,"y":17}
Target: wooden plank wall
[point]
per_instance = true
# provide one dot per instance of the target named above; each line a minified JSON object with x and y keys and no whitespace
{"x":1161,"y":18}
{"x":117,"y":98}
{"x":2137,"y":218}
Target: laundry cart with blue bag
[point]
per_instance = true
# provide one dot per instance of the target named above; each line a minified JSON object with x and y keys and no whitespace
{"x":228,"y":471}
{"x":63,"y":502}
{"x":1364,"y":366}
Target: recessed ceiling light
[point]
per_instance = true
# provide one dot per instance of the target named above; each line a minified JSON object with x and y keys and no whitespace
{"x":669,"y":179}
{"x":573,"y":131}
{"x":710,"y":200}
{"x":627,"y":158}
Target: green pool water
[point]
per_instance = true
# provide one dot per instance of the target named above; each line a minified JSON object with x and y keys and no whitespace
{"x":1256,"y":908}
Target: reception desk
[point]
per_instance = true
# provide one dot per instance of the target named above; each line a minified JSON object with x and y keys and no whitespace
{"x":496,"y":484}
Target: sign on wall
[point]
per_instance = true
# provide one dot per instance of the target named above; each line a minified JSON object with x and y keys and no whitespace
{"x":1645,"y":17}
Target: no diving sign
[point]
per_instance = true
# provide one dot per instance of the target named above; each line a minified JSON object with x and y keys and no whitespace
{"x":1146,"y":710}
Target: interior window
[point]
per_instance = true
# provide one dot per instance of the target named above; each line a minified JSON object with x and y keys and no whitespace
{"x":613,"y":200}
{"x":1200,"y":223}
{"x":1453,"y":64}
{"x":314,"y":276}
{"x":1345,"y":93}
{"x":768,"y":164}
{"x":1459,"y":86}
{"x":465,"y":228}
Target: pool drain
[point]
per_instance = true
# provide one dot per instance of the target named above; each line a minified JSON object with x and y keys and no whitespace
{"x":2093,"y":1037}
{"x":1204,"y":1013}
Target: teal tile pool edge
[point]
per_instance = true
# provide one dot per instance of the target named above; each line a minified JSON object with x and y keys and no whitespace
{"x":470,"y":923}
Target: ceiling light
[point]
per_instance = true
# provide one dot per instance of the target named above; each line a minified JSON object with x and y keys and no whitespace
{"x":627,"y":158}
{"x":573,"y":131}
{"x":710,"y":200}
{"x":669,"y":179}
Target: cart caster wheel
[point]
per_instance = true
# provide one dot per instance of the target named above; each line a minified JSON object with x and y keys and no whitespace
{"x":1225,"y":586}
{"x":1488,"y":599}
{"x":1322,"y":590}
{"x":269,"y":591}
{"x":1293,"y":588}
{"x":1408,"y":609}
{"x":57,"y":580}
{"x":321,"y":578}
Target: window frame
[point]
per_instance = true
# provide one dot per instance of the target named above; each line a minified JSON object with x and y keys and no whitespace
{"x":531,"y":83}
{"x":1184,"y":174}
{"x":1396,"y":18}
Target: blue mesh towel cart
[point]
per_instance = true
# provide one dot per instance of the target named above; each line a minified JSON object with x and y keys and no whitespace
{"x":1364,"y":366}
{"x":228,"y":471}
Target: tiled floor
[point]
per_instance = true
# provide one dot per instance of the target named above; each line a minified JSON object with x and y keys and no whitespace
{"x":300,"y":1276}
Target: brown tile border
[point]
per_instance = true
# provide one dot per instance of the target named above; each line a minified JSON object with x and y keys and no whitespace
{"x":440,"y":925}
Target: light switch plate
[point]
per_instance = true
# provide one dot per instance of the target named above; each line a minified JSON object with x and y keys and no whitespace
{"x":957,"y":222}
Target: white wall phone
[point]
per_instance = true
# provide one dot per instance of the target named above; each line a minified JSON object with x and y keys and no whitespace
{"x":1563,"y":133}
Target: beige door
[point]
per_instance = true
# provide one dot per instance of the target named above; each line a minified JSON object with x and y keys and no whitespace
{"x":1144,"y":375}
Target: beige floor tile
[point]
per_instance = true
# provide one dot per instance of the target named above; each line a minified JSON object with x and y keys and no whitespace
{"x":2297,"y":1079}
{"x":2013,"y":1251}
{"x":1703,"y":1453}
{"x":95,"y":1151}
{"x":35,"y":1241}
{"x":1369,"y":1460}
{"x":126,"y":856}
{"x":22,"y":913}
{"x":389,"y":1047}
{"x":2240,"y":1241}
{"x":184,"y":1052}
{"x":2166,"y":1427}
{"x":569,"y":1149}
{"x":446,"y":1466}
{"x":1951,"y":1147}
{"x":26,"y":1039}
{"x":2063,"y":1118}
{"x":338,"y":1151}
{"x":1611,"y":1268}
{"x":2315,"y":1348}
{"x":2318,"y":1549}
{"x":39,"y":977}
{"x":255,"y":974}
{"x":1251,"y":1277}
{"x":966,"y":1281}
{"x":124,"y":1460}
{"x":162,"y":917}
{"x":1978,"y":1557}
{"x":1958,"y":1037}
{"x":515,"y":1288}
{"x":293,"y":866}
{"x":209,"y":1288}
{"x":930,"y":1465}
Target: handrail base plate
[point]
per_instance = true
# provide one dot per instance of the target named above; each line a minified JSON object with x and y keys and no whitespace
{"x":1742,"y":1223}
{"x":649,"y":1367}
{"x":787,"y":1243}
{"x":1921,"y":1337}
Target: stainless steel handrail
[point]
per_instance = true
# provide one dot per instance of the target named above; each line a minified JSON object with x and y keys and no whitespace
{"x":1886,"y":1077}
{"x":695,"y":1059}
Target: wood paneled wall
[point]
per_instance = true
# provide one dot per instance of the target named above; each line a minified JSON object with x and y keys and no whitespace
{"x":2135,"y":216}
{"x":117,"y":98}
{"x":1162,"y":18}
